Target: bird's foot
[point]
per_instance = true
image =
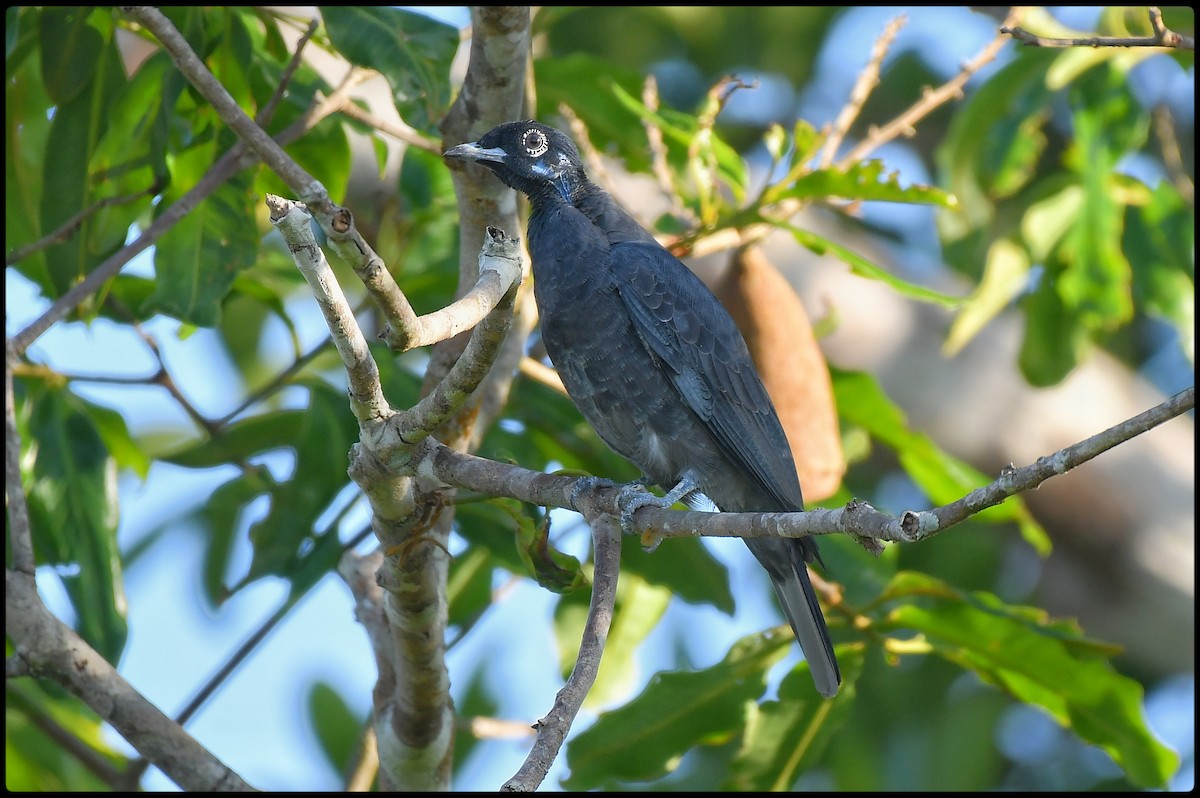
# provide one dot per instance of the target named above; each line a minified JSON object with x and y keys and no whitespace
{"x":587,"y":483}
{"x":634,"y":496}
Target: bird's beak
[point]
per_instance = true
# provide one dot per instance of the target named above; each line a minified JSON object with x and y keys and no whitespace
{"x":471,"y":151}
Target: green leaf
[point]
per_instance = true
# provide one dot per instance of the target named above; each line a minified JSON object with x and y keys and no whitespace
{"x":337,"y":728}
{"x":35,"y":759}
{"x":469,"y":585}
{"x":1045,"y":664}
{"x":1005,"y":275}
{"x":982,"y":154}
{"x":551,"y":568}
{"x":241,"y":440}
{"x":412,"y":51}
{"x":87,"y":76}
{"x":864,"y":180}
{"x":196,"y":261}
{"x":71,"y":484}
{"x":864,"y":268}
{"x":1163,"y":233}
{"x":586,"y":84}
{"x":322,"y":442}
{"x":1054,"y":341}
{"x":685,"y":131}
{"x":645,"y":739}
{"x":686,"y":568}
{"x":111,"y":427}
{"x":220,"y":520}
{"x":1096,"y":280}
{"x":786,"y":737}
{"x":27,"y":112}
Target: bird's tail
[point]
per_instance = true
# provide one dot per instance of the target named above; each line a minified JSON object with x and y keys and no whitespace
{"x":799,"y":603}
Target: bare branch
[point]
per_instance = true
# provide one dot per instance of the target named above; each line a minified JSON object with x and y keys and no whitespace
{"x":931,"y":99}
{"x":1164,"y":131}
{"x":397,"y":130}
{"x":68,"y":228}
{"x":20,"y":535}
{"x":857,"y":518}
{"x":499,"y":274}
{"x":366,"y":394}
{"x":500,"y":257}
{"x":55,"y":651}
{"x":1163,"y":37}
{"x":553,"y":728}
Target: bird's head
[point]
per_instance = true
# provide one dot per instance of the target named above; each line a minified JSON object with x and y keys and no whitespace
{"x":527,"y":156}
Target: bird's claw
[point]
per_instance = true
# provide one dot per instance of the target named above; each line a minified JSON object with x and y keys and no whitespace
{"x":584,"y":484}
{"x":632,"y":498}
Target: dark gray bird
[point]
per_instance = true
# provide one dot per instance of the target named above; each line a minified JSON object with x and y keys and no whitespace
{"x":654,"y":362}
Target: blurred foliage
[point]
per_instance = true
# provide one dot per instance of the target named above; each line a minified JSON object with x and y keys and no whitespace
{"x":1035,"y":204}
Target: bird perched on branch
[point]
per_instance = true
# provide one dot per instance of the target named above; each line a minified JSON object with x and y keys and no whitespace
{"x":654,"y":362}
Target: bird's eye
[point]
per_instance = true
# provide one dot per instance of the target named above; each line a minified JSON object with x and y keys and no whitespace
{"x":535,"y":143}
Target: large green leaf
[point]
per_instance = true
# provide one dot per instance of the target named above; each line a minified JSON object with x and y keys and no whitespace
{"x":27,"y":114}
{"x":196,"y":261}
{"x":645,"y":739}
{"x":785,"y":737}
{"x":83,"y":69}
{"x":1040,"y":662}
{"x":412,"y":51}
{"x":865,"y":268}
{"x":71,"y":484}
{"x":864,"y":180}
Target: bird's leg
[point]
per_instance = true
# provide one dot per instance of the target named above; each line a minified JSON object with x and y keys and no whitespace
{"x":633,"y":497}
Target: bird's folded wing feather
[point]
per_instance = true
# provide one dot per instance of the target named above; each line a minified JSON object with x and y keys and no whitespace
{"x":684,"y":326}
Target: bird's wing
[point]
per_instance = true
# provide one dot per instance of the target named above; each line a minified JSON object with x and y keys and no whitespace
{"x":685,"y":327}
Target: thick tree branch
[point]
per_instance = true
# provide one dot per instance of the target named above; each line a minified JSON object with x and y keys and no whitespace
{"x":55,"y":651}
{"x":499,"y":274}
{"x":366,"y":394}
{"x":20,"y":537}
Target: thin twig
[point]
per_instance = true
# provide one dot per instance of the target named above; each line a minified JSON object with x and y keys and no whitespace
{"x":1164,"y":130}
{"x":930,"y":100}
{"x":658,"y":155}
{"x":867,"y":80}
{"x":68,"y":228}
{"x":1163,"y":37}
{"x":267,"y":112}
{"x":398,"y":130}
